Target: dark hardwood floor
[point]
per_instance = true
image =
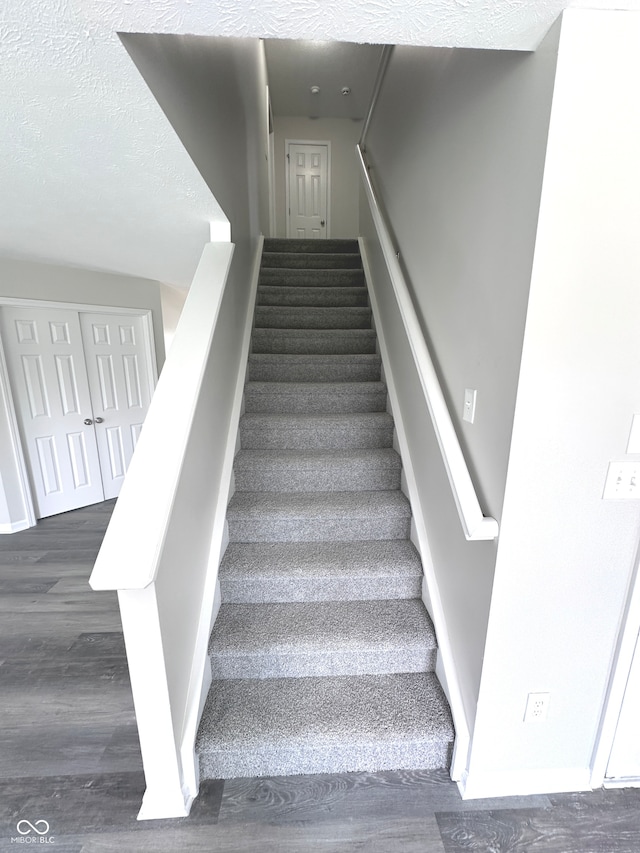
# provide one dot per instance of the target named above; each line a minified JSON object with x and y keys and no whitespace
{"x":69,"y":751}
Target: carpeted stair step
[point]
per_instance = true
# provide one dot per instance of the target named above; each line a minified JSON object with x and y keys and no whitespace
{"x":280,"y":367}
{"x":317,"y":470}
{"x":316,"y":432}
{"x":305,"y":639}
{"x":330,"y":297}
{"x":310,"y":341}
{"x":322,"y":653}
{"x":305,"y":317}
{"x":318,"y":516}
{"x":315,"y":397}
{"x":296,"y":244}
{"x":272,"y":727}
{"x":311,"y":260}
{"x":263,"y":572}
{"x":311,"y":278}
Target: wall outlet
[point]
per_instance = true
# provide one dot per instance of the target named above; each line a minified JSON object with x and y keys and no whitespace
{"x":469,"y":407}
{"x":623,"y":482}
{"x":537,"y":708}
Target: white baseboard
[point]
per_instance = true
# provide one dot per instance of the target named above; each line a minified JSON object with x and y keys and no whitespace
{"x":157,"y":805}
{"x":475,"y":786}
{"x":15,"y":526}
{"x":624,"y":782}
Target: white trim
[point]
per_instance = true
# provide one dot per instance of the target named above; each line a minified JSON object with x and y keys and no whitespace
{"x":220,"y":232}
{"x":144,"y":533}
{"x":620,"y":669}
{"x":200,"y":678}
{"x":287,"y":204}
{"x":26,"y":494}
{"x":271,"y":158}
{"x":430,"y":594}
{"x":475,"y":525}
{"x":158,"y":804}
{"x":624,"y":782}
{"x":14,"y":527}
{"x":504,"y":783}
{"x":165,"y":795}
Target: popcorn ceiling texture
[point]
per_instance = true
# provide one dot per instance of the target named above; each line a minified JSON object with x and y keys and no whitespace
{"x":92,"y":174}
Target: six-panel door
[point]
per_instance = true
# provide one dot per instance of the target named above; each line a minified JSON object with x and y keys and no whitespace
{"x":119,"y":379}
{"x":308,"y":190}
{"x":45,"y":357}
{"x":82,"y":385}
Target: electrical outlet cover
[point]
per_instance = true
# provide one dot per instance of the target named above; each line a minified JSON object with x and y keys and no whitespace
{"x":537,"y":708}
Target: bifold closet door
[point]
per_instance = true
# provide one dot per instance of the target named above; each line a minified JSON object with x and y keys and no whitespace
{"x":82,"y":385}
{"x":45,"y":357}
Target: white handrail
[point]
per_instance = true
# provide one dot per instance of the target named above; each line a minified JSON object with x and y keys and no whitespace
{"x":167,"y":533}
{"x":132,"y":549}
{"x":475,"y":525}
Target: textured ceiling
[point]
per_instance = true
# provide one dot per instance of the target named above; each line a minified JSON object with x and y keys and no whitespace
{"x":295,"y":66}
{"x":91,"y":172}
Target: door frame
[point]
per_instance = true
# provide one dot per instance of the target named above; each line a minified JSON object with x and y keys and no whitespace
{"x":619,"y":676}
{"x":287,"y":206}
{"x":6,"y":394}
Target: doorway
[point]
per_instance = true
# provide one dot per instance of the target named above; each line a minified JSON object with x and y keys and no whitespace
{"x":82,"y":383}
{"x":307,"y":170}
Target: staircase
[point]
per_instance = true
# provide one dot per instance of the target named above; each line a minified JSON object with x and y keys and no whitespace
{"x":322,"y":653}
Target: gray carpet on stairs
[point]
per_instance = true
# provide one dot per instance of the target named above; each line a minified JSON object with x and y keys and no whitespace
{"x":321,"y":638}
{"x":285,"y":726}
{"x":322,"y":653}
{"x":317,"y":432}
{"x":320,"y":571}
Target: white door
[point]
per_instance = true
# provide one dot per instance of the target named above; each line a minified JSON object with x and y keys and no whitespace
{"x":82,"y":385}
{"x":308,"y":189}
{"x":45,"y":357}
{"x":119,"y":380}
{"x":624,"y":762}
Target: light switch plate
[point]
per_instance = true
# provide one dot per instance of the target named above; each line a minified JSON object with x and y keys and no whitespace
{"x":623,"y":481}
{"x":469,"y":408}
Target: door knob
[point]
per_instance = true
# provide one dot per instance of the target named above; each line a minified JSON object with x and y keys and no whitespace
{"x":99,"y":420}
{"x":88,"y":421}
{"x":322,"y":222}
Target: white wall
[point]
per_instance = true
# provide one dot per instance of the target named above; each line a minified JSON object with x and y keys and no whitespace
{"x":173,"y":299}
{"x":212,"y":90}
{"x":120,"y":193}
{"x":566,"y":557}
{"x":457,"y":145}
{"x":28,"y":280}
{"x":343,"y":135}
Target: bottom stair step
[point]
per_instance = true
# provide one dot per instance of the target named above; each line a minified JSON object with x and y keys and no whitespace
{"x":285,"y":726}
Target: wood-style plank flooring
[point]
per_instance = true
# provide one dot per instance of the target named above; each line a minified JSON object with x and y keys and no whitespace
{"x":69,"y":751}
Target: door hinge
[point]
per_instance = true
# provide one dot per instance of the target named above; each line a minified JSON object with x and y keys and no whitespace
{"x":288,"y":157}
